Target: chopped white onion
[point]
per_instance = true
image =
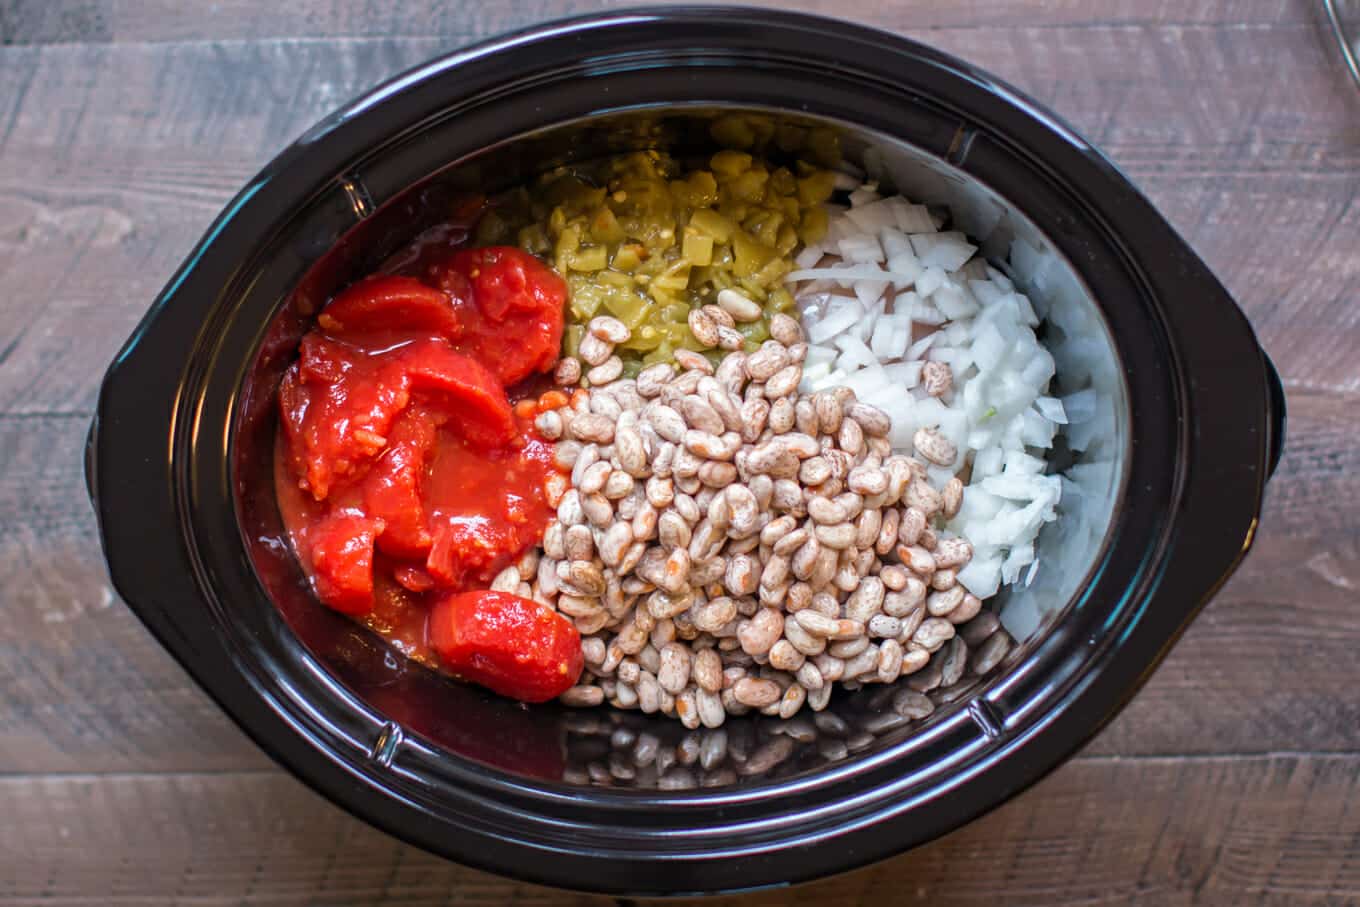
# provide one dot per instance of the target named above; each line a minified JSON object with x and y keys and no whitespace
{"x":861,"y":249}
{"x":911,"y":218}
{"x":947,"y":251}
{"x":922,"y":295}
{"x":931,"y":279}
{"x":873,"y":216}
{"x":832,"y":323}
{"x":844,"y":182}
{"x":847,"y":275}
{"x":1051,"y":408}
{"x":918,"y":349}
{"x":868,"y":292}
{"x":863,"y":196}
{"x":808,"y":257}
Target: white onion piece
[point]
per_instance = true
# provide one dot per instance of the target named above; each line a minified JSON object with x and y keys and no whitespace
{"x":863,"y":195}
{"x":931,"y":279}
{"x":808,"y":257}
{"x":861,"y":249}
{"x":847,"y":275}
{"x":1051,"y":409}
{"x":835,"y":320}
{"x":911,"y":218}
{"x":873,"y":216}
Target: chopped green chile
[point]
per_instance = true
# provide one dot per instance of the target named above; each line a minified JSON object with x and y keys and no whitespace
{"x":644,"y":239}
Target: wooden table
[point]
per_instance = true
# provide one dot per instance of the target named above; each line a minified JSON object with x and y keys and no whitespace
{"x":1233,"y":778}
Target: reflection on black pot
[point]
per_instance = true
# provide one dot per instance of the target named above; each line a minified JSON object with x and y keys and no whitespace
{"x":612,"y":748}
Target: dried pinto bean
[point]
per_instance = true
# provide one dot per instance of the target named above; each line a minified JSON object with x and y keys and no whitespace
{"x":729,"y":545}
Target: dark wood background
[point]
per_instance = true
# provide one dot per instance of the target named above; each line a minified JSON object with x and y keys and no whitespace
{"x":1233,"y":778}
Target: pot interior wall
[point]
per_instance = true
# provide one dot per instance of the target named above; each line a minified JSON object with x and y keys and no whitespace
{"x":553,"y":743}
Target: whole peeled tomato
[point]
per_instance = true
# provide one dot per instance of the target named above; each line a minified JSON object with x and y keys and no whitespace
{"x":511,"y":645}
{"x":516,"y":321}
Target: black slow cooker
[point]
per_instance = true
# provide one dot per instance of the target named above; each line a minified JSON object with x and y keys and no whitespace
{"x":1160,"y":502}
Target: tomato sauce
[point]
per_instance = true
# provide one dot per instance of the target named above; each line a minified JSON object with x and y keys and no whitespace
{"x":406,"y":477}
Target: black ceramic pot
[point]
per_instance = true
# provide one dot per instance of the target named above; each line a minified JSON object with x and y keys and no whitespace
{"x":1161,"y":504}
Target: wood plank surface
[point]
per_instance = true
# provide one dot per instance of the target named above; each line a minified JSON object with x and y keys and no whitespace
{"x":96,"y":21}
{"x":126,"y":124}
{"x":1249,"y":832}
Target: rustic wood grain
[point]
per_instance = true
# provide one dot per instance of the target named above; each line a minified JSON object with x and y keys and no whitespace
{"x":1247,"y":832}
{"x":126,"y":124}
{"x":26,"y":22}
{"x":82,"y":685}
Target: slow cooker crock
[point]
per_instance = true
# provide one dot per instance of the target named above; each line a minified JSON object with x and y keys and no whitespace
{"x":1160,"y":505}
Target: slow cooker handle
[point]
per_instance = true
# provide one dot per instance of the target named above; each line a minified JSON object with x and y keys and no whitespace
{"x":1278,"y":418}
{"x":91,"y":438}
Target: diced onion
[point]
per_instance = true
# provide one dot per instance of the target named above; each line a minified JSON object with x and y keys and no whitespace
{"x":921,"y":295}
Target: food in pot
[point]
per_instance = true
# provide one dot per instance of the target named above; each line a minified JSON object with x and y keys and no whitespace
{"x":404,"y":474}
{"x":505,"y":642}
{"x":646,"y":242}
{"x":797,"y":443}
{"x":892,"y":304}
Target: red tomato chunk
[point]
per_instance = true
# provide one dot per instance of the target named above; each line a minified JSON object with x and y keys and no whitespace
{"x":516,"y":325}
{"x":512,"y":645}
{"x":404,"y":475}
